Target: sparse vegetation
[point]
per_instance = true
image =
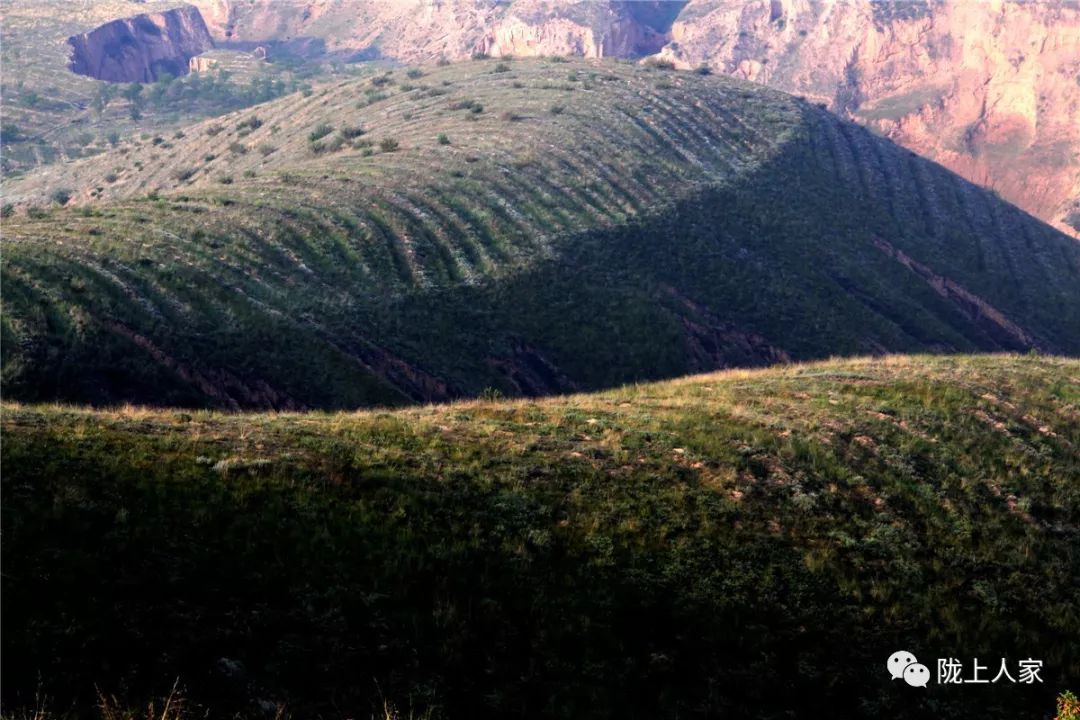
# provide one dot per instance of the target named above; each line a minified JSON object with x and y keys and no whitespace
{"x":388,"y":145}
{"x":655,"y":550}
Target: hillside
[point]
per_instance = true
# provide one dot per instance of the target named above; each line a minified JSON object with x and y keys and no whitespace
{"x":744,"y":544}
{"x":54,"y":108}
{"x":986,"y":88}
{"x":526,"y":227}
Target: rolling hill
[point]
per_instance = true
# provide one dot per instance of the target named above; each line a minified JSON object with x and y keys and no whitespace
{"x":749,"y":544}
{"x":524,"y":227}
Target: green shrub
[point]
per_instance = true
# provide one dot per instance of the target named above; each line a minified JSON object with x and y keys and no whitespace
{"x":501,"y":68}
{"x":251,"y":123}
{"x":182,"y":174}
{"x":214,"y":129}
{"x":443,"y":139}
{"x":113,"y":138}
{"x":36,"y":213}
{"x":266,"y":149}
{"x":60,"y":196}
{"x":7,"y":210}
{"x":237,"y":148}
{"x":388,"y":145}
{"x":249,"y":173}
{"x":703,"y":69}
{"x":556,"y":109}
{"x":320,"y":131}
{"x":414,"y":73}
{"x":225,"y":179}
{"x":469,"y":104}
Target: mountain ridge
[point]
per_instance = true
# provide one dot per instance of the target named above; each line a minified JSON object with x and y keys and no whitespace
{"x":590,"y":223}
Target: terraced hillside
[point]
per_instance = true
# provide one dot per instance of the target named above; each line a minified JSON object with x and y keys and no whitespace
{"x":524,"y":227}
{"x":750,"y":544}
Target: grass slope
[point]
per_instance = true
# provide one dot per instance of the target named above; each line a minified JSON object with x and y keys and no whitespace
{"x":528,"y":226}
{"x":744,"y":544}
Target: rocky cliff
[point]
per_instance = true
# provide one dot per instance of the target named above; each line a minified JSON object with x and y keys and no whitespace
{"x":142,"y":47}
{"x":988,"y":88}
{"x":991,"y":89}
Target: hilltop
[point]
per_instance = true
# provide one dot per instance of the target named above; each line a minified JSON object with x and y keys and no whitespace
{"x":745,"y":544}
{"x":523,"y":227}
{"x":987,"y":89}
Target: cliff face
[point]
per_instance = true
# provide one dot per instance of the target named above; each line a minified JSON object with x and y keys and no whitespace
{"x":988,"y":88}
{"x":142,"y":47}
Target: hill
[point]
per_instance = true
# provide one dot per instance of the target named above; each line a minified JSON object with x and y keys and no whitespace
{"x":524,"y":227}
{"x":744,"y":544}
{"x":986,"y":89}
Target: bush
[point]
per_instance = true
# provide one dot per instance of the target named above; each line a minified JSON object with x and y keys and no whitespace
{"x":251,"y":123}
{"x":501,"y":68}
{"x":249,"y":173}
{"x":556,"y":109}
{"x":388,"y":145}
{"x":443,"y":139}
{"x":225,"y":179}
{"x":60,"y":196}
{"x":352,"y":132}
{"x":7,"y":210}
{"x":111,"y":178}
{"x":266,"y":149}
{"x":703,"y":69}
{"x":509,"y":116}
{"x":332,"y":145}
{"x":214,"y":129}
{"x":414,"y":73}
{"x":443,"y":61}
{"x":113,"y":138}
{"x":36,"y":213}
{"x":237,"y":148}
{"x":659,"y":64}
{"x":467,"y":105}
{"x":320,"y":131}
{"x":182,"y":174}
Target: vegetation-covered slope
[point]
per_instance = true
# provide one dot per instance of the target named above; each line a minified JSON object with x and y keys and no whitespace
{"x":530,"y":227}
{"x":746,"y":544}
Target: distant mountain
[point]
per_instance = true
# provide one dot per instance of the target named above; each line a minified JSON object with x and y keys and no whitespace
{"x":988,"y":89}
{"x":525,"y":227}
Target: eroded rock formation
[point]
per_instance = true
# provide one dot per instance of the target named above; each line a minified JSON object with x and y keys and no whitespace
{"x":142,"y":47}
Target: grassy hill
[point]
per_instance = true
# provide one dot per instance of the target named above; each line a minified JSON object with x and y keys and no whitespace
{"x":743,"y":544}
{"x":524,"y":227}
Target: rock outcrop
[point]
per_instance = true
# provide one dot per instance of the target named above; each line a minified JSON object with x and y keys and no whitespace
{"x":988,"y":89}
{"x":142,"y":47}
